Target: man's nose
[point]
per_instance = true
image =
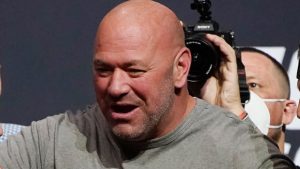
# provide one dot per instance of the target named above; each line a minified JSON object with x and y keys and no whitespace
{"x":119,"y":84}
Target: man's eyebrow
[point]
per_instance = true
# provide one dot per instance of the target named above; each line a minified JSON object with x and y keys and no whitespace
{"x":251,"y":77}
{"x":99,"y":62}
{"x":132,"y":63}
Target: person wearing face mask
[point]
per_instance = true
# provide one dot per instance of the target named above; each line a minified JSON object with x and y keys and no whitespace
{"x":269,"y":107}
{"x":5,"y":128}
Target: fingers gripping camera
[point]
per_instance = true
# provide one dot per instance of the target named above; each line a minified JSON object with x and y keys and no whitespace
{"x":206,"y":57}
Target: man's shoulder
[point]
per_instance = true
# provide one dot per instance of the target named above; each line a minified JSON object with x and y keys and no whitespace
{"x":51,"y":124}
{"x":222,"y":130}
{"x":219,"y":120}
{"x":205,"y":109}
{"x":80,"y":114}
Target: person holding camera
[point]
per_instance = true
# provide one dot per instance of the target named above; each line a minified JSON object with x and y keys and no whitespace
{"x":209,"y":69}
{"x":145,"y":117}
{"x":274,"y":108}
{"x":270,"y":111}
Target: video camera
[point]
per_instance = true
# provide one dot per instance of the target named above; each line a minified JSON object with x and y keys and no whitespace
{"x":206,"y":57}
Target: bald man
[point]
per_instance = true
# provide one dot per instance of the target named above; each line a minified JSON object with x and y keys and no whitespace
{"x":145,"y":117}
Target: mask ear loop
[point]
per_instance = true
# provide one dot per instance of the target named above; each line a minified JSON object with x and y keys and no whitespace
{"x":275,"y":126}
{"x":274,"y":100}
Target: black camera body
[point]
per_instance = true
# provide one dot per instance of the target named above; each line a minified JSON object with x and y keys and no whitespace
{"x":205,"y":56}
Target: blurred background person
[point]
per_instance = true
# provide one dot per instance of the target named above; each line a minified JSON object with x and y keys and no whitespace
{"x":7,"y":129}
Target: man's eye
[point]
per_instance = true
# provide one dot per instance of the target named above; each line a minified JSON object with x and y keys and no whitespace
{"x":252,"y":85}
{"x":103,"y":71}
{"x":100,"y":69}
{"x":135,"y":72}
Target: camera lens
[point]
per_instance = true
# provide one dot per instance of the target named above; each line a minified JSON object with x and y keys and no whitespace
{"x":205,"y":59}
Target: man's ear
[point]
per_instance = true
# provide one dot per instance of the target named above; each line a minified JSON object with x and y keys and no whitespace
{"x":289,"y":112}
{"x":181,"y":68}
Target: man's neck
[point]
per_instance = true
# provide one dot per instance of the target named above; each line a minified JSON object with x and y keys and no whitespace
{"x":281,"y":141}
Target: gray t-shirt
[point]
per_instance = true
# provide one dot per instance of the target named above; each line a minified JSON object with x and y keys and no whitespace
{"x":209,"y":138}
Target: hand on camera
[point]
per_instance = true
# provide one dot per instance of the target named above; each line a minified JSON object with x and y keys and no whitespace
{"x":223,"y":88}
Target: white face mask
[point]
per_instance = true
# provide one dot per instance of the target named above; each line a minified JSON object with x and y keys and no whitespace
{"x":259,"y":113}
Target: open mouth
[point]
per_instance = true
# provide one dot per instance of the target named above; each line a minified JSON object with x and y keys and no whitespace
{"x":123,"y":108}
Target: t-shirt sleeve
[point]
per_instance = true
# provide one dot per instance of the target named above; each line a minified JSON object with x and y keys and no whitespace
{"x":276,"y":160}
{"x":255,"y":149}
{"x":32,"y":148}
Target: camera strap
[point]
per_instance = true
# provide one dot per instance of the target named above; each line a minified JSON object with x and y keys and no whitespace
{"x":244,"y":90}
